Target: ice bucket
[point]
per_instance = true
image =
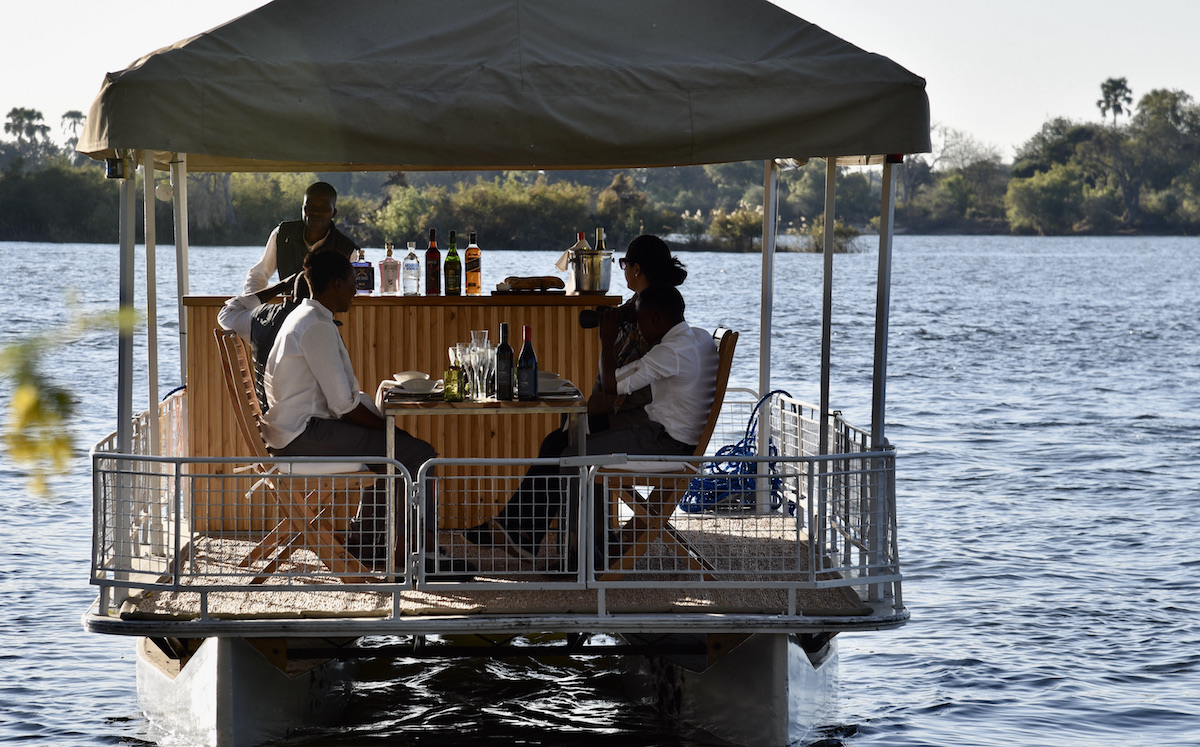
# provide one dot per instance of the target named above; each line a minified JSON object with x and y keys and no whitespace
{"x":593,"y":270}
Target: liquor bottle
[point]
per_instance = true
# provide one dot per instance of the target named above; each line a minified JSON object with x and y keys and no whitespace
{"x":474,"y":269}
{"x":600,"y":240}
{"x":453,"y":269}
{"x":364,"y":274}
{"x":389,"y":273}
{"x":504,"y":366}
{"x":410,"y":271}
{"x":433,"y":266}
{"x":527,"y":368}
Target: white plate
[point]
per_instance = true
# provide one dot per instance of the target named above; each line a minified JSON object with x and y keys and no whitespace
{"x":558,"y":386}
{"x":404,"y":376}
{"x":421,"y":386}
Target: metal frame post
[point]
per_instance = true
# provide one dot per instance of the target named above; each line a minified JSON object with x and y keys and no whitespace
{"x":883,"y":298}
{"x":180,"y":204}
{"x":766,"y":312}
{"x":828,"y":247}
{"x":148,"y":219}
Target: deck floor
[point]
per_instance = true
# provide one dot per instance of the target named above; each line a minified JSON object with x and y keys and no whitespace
{"x":744,"y":550}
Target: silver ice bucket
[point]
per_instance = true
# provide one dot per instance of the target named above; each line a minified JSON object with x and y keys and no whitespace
{"x":593,"y":271}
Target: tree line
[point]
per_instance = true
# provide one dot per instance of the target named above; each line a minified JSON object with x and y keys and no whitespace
{"x":1135,"y":170}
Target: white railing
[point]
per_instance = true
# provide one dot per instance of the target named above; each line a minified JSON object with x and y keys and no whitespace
{"x":795,"y":527}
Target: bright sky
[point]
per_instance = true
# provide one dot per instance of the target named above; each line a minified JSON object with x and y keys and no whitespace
{"x":996,"y":71}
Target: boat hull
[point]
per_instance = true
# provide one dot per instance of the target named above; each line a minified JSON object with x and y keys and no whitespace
{"x":767,"y":690}
{"x":228,"y":694}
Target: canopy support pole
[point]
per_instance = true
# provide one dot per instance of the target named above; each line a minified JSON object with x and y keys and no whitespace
{"x":148,"y":199}
{"x":180,"y":205}
{"x":766,"y":303}
{"x":883,"y":299}
{"x":766,"y":308}
{"x":127,"y":238}
{"x":827,"y":300}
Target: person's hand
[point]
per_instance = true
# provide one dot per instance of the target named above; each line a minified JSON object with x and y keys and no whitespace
{"x":609,"y":324}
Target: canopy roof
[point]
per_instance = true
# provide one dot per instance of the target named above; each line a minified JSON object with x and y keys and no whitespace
{"x":310,"y":85}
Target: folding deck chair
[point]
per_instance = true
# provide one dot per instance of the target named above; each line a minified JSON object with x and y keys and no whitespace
{"x":652,"y":500}
{"x":304,"y":499}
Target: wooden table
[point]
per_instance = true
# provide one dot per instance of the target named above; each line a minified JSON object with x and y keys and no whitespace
{"x":482,"y":416}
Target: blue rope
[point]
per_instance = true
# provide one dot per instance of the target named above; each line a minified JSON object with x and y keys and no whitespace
{"x":730,"y":485}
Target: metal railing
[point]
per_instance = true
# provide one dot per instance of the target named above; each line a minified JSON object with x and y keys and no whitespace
{"x":769,"y":533}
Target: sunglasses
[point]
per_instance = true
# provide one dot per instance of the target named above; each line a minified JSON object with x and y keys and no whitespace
{"x":625,"y":262}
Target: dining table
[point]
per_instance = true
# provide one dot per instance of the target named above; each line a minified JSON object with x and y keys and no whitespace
{"x":566,"y":400}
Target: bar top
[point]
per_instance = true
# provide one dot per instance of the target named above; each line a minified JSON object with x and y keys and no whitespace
{"x":510,"y":298}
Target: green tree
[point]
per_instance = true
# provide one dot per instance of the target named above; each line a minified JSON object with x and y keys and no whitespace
{"x":1115,"y":97}
{"x":72,"y":122}
{"x":736,"y":229}
{"x":1047,"y":203}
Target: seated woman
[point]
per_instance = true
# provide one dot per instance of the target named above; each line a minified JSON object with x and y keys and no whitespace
{"x":680,"y":368}
{"x":647,"y":261}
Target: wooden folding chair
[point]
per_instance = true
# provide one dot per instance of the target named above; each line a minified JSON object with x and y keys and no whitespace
{"x":304,"y":501}
{"x":653,"y":500}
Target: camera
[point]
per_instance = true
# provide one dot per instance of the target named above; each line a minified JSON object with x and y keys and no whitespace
{"x":589,"y":318}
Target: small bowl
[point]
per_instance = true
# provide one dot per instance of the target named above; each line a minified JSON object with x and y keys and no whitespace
{"x":404,"y":376}
{"x":547,"y":377}
{"x":420,"y":386}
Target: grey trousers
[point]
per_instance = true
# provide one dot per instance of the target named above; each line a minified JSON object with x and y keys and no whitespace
{"x":327,"y":437}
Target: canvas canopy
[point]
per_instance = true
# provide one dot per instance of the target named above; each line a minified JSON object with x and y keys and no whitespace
{"x":494,"y":84}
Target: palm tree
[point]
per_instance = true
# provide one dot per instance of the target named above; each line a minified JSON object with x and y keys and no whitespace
{"x":71,"y":122}
{"x":1115,"y":97}
{"x":26,"y":124}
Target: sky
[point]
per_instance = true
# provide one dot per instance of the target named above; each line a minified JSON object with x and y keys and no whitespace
{"x":995,"y":71}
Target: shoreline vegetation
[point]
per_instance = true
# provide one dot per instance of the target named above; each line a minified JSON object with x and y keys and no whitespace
{"x":1136,"y":171}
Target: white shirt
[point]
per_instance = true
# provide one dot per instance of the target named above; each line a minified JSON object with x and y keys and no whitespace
{"x":235,"y":314}
{"x":308,"y":374}
{"x":259,"y":276}
{"x":682,"y":373}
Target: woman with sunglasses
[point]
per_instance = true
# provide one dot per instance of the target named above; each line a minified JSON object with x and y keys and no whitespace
{"x":647,"y":261}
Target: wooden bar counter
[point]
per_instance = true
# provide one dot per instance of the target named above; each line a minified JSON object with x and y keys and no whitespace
{"x":388,"y":334}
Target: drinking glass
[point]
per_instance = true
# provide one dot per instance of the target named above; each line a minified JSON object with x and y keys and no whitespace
{"x":489,"y":376}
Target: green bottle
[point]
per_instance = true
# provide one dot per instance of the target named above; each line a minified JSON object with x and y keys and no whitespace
{"x":453,"y":265}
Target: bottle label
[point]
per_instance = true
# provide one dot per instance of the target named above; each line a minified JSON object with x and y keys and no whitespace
{"x":527,"y":383}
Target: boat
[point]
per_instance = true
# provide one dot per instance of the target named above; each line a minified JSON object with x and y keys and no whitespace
{"x":728,"y":615}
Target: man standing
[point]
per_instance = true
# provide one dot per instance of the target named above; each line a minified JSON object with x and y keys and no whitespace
{"x":292,"y":241}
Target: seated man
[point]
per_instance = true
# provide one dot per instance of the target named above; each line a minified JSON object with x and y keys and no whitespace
{"x":316,"y":407}
{"x":681,"y":371}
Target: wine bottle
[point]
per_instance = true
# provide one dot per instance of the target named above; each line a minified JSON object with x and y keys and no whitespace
{"x":504,"y":366}
{"x":453,"y":268}
{"x":410,"y":271}
{"x":433,"y":266}
{"x":364,"y":274}
{"x":527,"y":368}
{"x":389,"y":273}
{"x":474,"y":269}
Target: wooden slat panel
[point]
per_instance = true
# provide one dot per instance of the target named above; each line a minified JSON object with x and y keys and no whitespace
{"x":385,"y":335}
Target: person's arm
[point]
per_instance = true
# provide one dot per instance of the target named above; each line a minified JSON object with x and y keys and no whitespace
{"x":660,"y":362}
{"x":259,"y":276}
{"x":327,"y":360}
{"x":608,"y":355}
{"x":364,"y":416}
{"x":237,"y":315}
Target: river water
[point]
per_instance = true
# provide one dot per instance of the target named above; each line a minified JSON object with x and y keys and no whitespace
{"x":1044,"y":400}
